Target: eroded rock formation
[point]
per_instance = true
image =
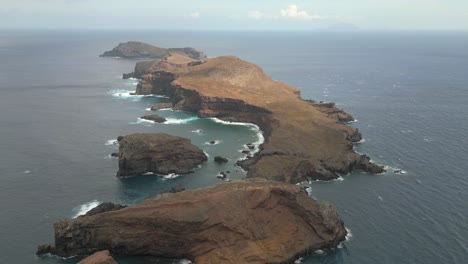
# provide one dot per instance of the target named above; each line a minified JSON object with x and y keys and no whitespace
{"x":245,"y":221}
{"x":157,"y":153}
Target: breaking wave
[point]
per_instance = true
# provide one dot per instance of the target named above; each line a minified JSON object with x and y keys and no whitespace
{"x":176,"y":121}
{"x":84,"y":208}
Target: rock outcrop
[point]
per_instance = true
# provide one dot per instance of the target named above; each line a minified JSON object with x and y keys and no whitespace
{"x":104,"y":207}
{"x":135,"y":49}
{"x":334,"y":112}
{"x":245,"y":221}
{"x":304,"y":140}
{"x":159,"y":106}
{"x":220,"y":159}
{"x":157,"y":153}
{"x":101,"y":257}
{"x":154,"y":118}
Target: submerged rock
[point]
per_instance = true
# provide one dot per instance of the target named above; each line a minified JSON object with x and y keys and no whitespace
{"x":220,"y":159}
{"x":157,"y":153}
{"x":245,"y":221}
{"x":127,"y":75}
{"x":159,"y":106}
{"x":101,"y":257}
{"x":154,"y":118}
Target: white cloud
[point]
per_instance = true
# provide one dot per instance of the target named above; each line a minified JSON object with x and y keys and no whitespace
{"x":256,"y":15}
{"x":195,"y":15}
{"x":293,"y":12}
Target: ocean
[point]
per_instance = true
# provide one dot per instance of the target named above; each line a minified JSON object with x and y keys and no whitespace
{"x":62,"y":106}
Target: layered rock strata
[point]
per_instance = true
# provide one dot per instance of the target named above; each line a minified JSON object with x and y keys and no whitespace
{"x":304,"y":140}
{"x":245,"y":221}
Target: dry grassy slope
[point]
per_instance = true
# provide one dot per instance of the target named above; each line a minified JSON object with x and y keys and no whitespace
{"x":302,"y":129}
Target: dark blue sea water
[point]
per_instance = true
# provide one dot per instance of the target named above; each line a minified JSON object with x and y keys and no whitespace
{"x":60,"y":107}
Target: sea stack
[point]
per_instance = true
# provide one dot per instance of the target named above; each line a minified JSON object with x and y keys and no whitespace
{"x":158,"y":154}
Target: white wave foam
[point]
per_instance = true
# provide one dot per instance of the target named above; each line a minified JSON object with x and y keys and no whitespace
{"x":360,"y":141}
{"x":26,"y":171}
{"x":112,"y":142}
{"x":148,"y":109}
{"x":319,"y":252}
{"x":142,"y":120}
{"x":254,"y":127}
{"x":121,"y":93}
{"x":339,"y":179}
{"x":175,"y":121}
{"x":133,"y":79}
{"x":206,"y":154}
{"x":298,"y":261}
{"x":216,"y":142}
{"x":349,"y":235}
{"x":394,"y":170}
{"x":185,"y":261}
{"x":166,"y":109}
{"x":217,"y":120}
{"x":84,"y":208}
{"x":170,"y":176}
{"x":198,"y":131}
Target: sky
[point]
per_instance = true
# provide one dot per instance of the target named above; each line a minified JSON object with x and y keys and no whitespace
{"x":268,"y":15}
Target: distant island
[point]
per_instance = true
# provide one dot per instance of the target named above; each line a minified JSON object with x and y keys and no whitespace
{"x":262,"y":219}
{"x":135,"y":49}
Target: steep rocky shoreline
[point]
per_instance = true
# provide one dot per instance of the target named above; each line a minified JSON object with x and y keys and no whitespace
{"x":245,"y":221}
{"x":304,"y":140}
{"x":263,"y":219}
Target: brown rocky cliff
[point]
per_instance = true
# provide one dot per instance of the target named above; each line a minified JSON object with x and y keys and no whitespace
{"x":304,"y":140}
{"x":245,"y":221}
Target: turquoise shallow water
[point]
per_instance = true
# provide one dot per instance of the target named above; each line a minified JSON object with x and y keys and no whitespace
{"x":60,"y":106}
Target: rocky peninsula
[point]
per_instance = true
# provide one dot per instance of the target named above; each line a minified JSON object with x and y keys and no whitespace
{"x":136,"y":49}
{"x":304,"y":140}
{"x":157,"y":153}
{"x":244,"y":221}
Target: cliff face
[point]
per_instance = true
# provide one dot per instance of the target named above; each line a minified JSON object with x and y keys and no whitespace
{"x":135,"y":49}
{"x":304,"y":140}
{"x":157,"y":153}
{"x":245,"y":221}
